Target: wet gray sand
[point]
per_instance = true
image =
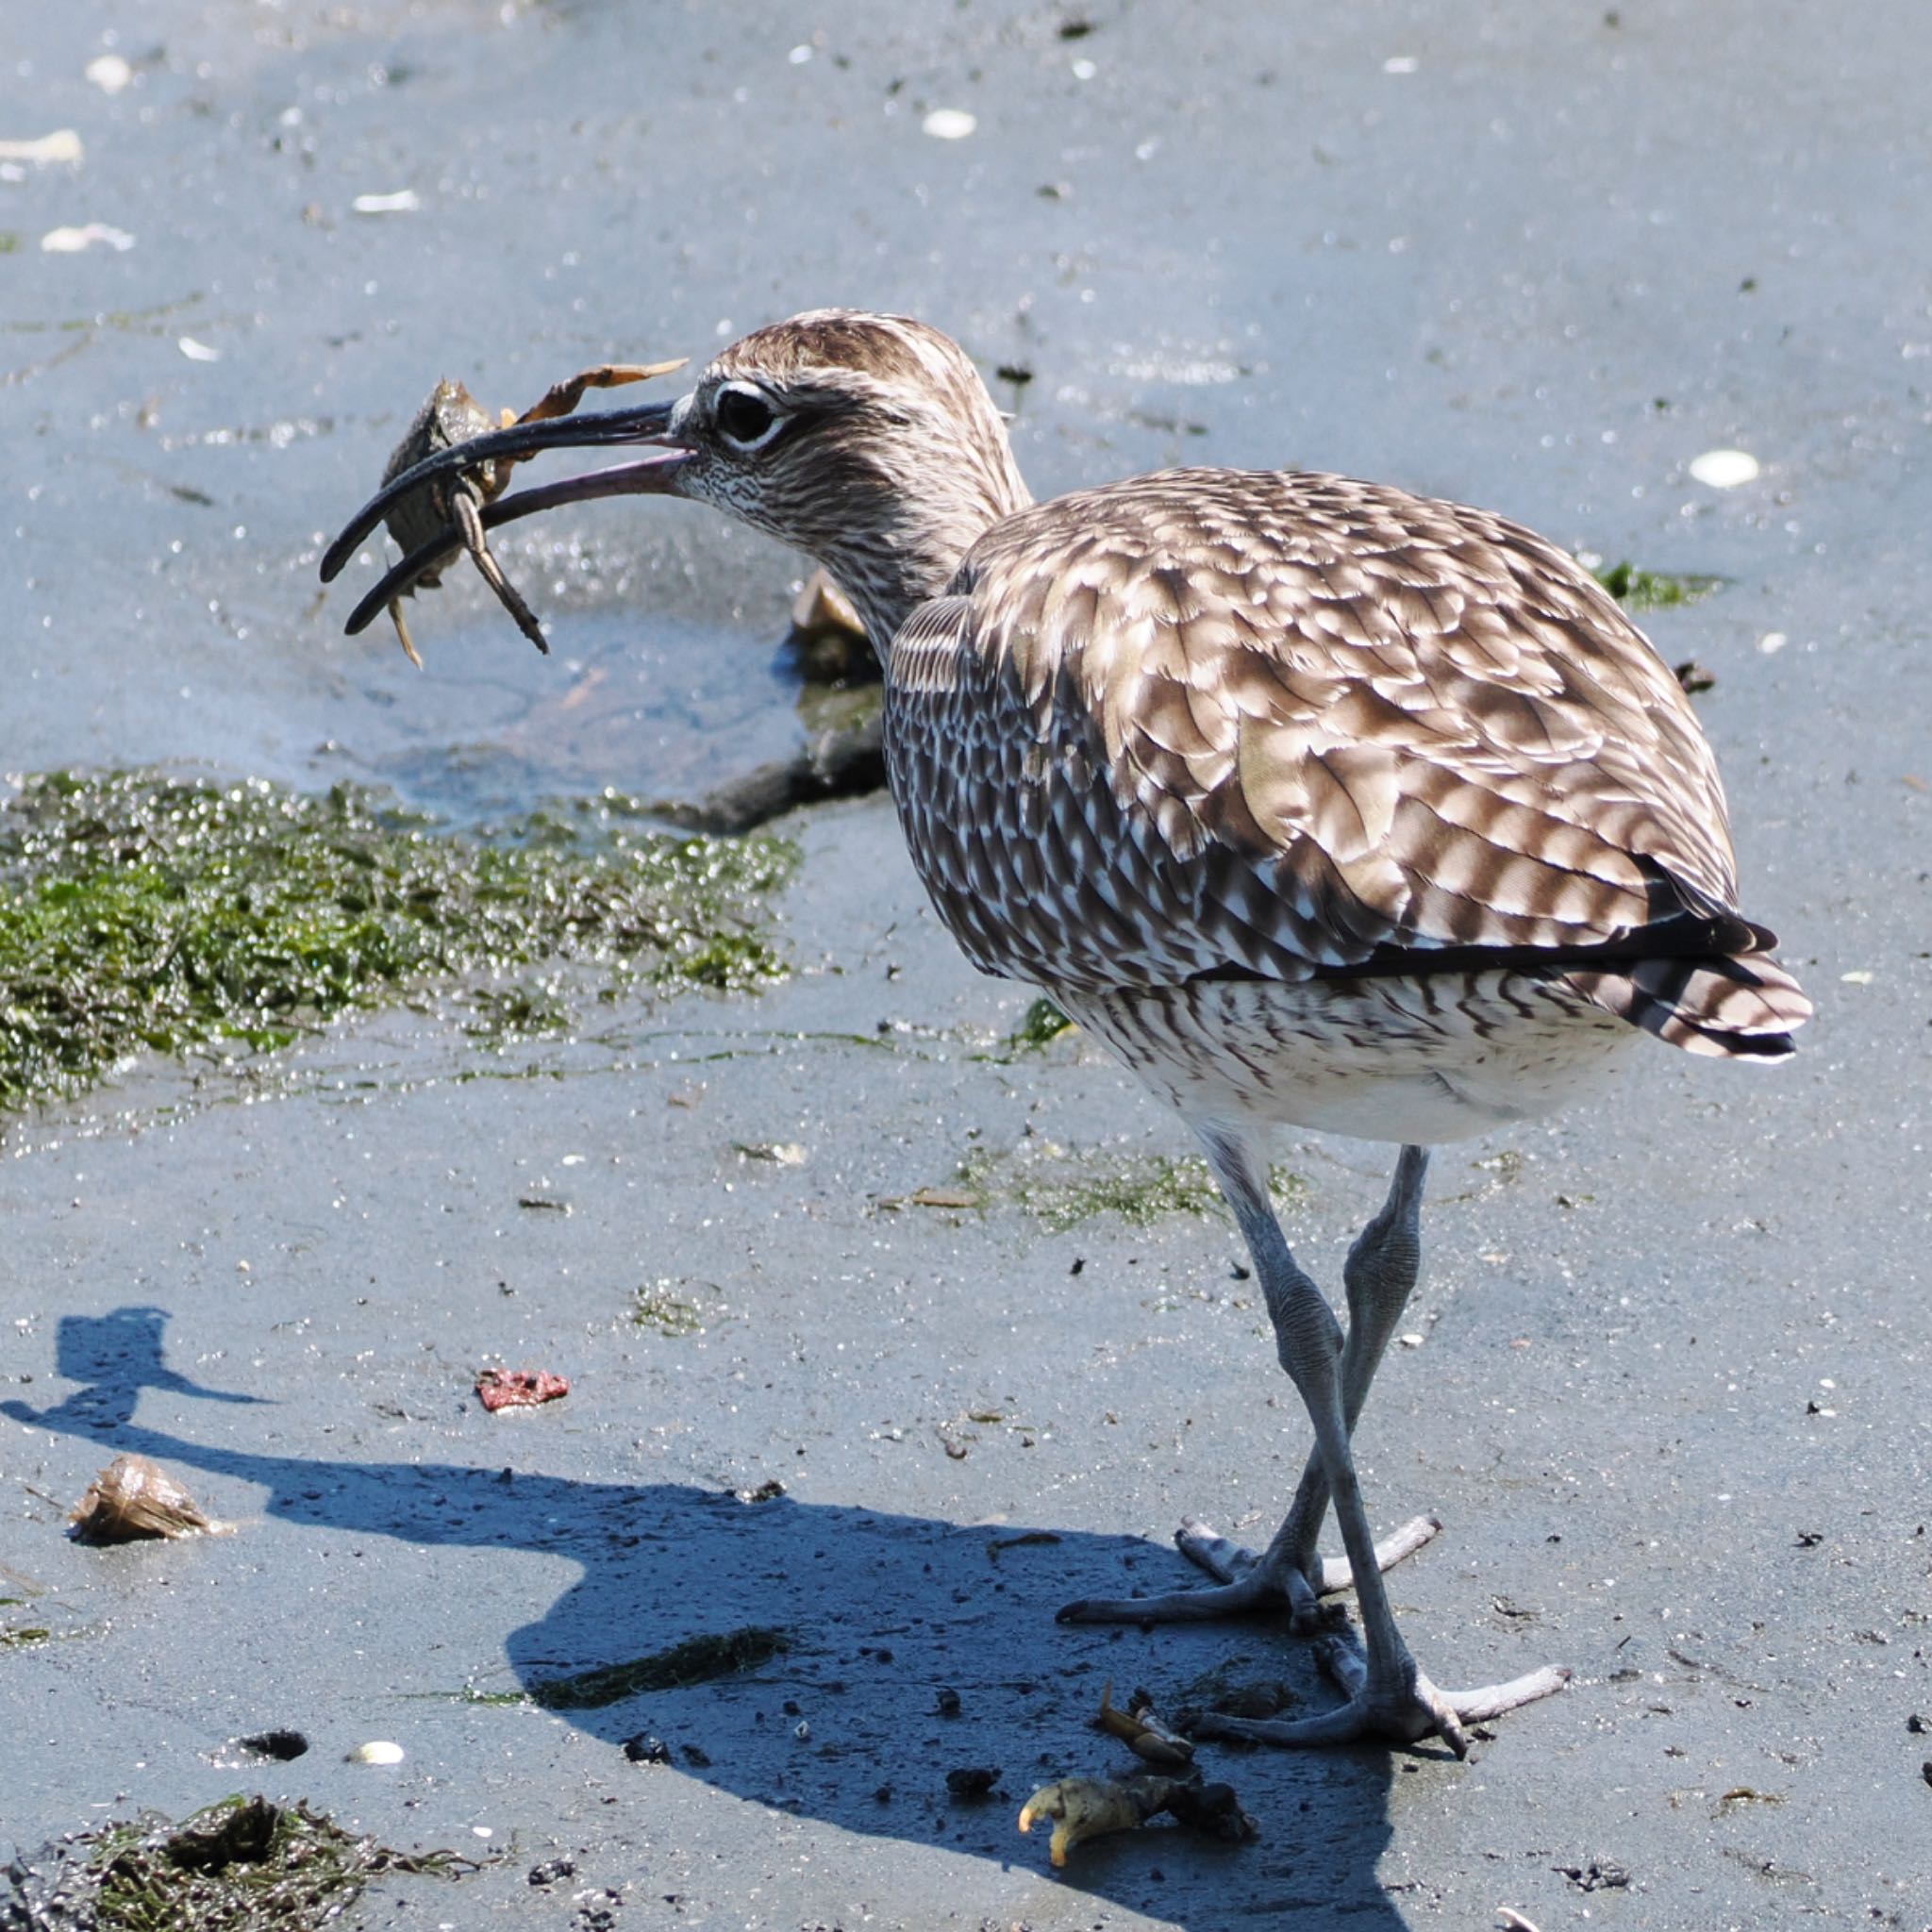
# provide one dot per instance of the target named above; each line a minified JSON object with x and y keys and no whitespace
{"x":1668,"y":1392}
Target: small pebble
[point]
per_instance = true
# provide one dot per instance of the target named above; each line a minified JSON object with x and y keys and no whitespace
{"x":380,"y":1751}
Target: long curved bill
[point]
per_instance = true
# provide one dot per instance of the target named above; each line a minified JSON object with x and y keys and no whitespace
{"x":652,"y":474}
{"x":649,"y":422}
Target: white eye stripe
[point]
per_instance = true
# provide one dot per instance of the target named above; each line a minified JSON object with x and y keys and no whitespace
{"x":746,"y":417}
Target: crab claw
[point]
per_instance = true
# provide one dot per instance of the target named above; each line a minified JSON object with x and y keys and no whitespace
{"x":1084,"y":1807}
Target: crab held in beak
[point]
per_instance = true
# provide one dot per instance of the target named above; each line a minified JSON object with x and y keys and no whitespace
{"x":654,"y":424}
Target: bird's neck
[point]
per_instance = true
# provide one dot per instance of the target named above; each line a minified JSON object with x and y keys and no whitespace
{"x":910,"y":548}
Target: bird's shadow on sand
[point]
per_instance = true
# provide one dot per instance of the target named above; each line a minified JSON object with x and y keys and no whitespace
{"x":879,"y":1613}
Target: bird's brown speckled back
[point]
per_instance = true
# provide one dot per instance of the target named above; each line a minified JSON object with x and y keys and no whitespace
{"x":1275,"y":725}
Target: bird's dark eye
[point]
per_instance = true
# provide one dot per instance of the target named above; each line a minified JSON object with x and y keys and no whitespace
{"x":745,"y":418}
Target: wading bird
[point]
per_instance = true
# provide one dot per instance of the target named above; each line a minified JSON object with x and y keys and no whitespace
{"x":1320,"y":804}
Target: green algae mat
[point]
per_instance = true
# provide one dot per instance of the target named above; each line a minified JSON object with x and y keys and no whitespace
{"x":146,"y":913}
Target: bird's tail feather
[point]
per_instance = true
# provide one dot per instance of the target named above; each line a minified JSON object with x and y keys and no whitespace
{"x":1728,"y":1007}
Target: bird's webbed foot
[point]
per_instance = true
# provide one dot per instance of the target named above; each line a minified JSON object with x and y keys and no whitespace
{"x":1402,"y":1711}
{"x":1248,"y":1583}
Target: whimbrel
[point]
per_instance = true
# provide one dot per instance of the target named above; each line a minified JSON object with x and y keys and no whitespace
{"x":1323,"y":805}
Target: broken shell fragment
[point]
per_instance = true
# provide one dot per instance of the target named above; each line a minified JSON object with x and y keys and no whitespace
{"x":1143,"y":1733}
{"x":63,"y":144}
{"x":519,"y":1388}
{"x":134,"y":1497}
{"x":91,"y":234}
{"x":1084,"y":1807}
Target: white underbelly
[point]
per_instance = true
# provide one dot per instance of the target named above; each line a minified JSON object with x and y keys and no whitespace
{"x":1439,"y":1057}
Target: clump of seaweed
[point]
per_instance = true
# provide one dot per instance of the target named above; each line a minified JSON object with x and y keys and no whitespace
{"x":655,"y":1307}
{"x":143,"y":911}
{"x":1653,"y":590}
{"x":1060,"y":1188}
{"x":696,"y":1660}
{"x":1041,"y":1024}
{"x":242,"y":1865}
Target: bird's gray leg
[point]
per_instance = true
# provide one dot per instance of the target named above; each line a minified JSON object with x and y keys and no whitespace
{"x":1389,"y":1697}
{"x":1381,"y":1274}
{"x":1380,"y":1277}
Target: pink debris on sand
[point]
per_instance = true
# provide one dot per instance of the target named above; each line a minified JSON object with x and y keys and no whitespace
{"x":519,"y":1388}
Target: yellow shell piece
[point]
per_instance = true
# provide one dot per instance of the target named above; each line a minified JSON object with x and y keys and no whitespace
{"x":1142,"y":1735}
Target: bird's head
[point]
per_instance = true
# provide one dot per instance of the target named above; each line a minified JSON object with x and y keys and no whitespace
{"x":868,"y":441}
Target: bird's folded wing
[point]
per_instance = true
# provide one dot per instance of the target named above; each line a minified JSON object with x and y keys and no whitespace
{"x":1278,"y":723}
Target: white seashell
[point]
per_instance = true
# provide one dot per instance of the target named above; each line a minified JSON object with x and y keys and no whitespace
{"x":95,"y":234}
{"x":1725,"y":469}
{"x":949,"y":124}
{"x":63,"y":144}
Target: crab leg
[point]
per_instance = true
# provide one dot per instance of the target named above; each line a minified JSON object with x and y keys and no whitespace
{"x":468,"y":510}
{"x":561,"y":398}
